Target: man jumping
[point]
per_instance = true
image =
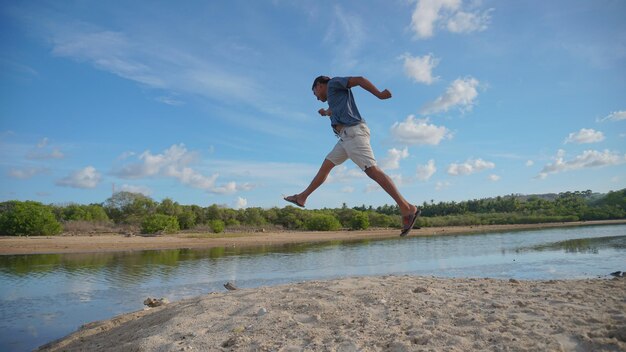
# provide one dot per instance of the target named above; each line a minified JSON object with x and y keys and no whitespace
{"x":354,"y":141}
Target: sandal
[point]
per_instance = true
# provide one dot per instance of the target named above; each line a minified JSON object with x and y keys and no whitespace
{"x":409,"y":221}
{"x":294,"y":200}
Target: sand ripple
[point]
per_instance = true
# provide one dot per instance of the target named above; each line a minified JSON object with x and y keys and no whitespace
{"x":377,"y":314}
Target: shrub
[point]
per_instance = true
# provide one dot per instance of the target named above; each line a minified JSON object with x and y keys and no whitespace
{"x":359,"y":221}
{"x":382,"y":220}
{"x":186,"y":219}
{"x":27,"y":219}
{"x":217,"y":226}
{"x":96,"y":213}
{"x":159,"y":222}
{"x":76,"y":212}
{"x":322,"y":222}
{"x":129,"y":208}
{"x":232,"y":222}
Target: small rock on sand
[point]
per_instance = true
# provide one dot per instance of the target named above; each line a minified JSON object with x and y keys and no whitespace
{"x":154,"y":302}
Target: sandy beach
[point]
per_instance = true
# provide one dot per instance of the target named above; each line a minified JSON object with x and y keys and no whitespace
{"x":120,"y":242}
{"x":391,"y":313}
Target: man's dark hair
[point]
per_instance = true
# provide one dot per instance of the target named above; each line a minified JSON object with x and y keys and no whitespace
{"x":320,"y":79}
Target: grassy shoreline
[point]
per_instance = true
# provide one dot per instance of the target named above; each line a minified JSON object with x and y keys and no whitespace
{"x":10,"y":245}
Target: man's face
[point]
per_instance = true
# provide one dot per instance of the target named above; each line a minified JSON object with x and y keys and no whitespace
{"x":320,"y":92}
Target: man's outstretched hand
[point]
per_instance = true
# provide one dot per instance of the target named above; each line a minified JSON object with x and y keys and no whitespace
{"x":385,"y":94}
{"x":324,"y":112}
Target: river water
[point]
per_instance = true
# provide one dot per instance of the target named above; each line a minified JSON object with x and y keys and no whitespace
{"x":45,"y":297}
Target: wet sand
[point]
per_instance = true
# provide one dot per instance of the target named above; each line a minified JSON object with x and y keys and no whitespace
{"x":118,"y":242}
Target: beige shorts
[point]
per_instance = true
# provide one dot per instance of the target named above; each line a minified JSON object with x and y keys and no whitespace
{"x":353,"y":144}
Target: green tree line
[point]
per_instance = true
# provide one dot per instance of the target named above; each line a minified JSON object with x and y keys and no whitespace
{"x":19,"y":218}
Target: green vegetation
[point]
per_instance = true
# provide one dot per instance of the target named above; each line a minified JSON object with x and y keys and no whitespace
{"x":217,"y":226}
{"x":27,"y":219}
{"x":359,"y":221}
{"x":160,"y":223}
{"x":125,"y":209}
{"x":322,"y":222}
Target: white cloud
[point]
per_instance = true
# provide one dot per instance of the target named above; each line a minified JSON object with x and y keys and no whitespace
{"x":40,"y":153}
{"x":585,"y":135}
{"x":530,"y":163}
{"x":493,"y":177}
{"x":173,"y":162}
{"x":85,"y":178}
{"x":108,"y":51}
{"x":126,"y":155}
{"x":271,"y":172}
{"x":26,"y":173}
{"x":614,"y":116}
{"x":419,"y":131}
{"x":420,"y":68}
{"x":427,"y":13}
{"x":168,"y":67}
{"x":467,"y":22}
{"x":240,"y":203}
{"x":589,"y":158}
{"x":425,"y":172}
{"x":136,"y":189}
{"x":462,"y":93}
{"x":341,"y":173}
{"x":392,"y":161}
{"x":469,"y":167}
{"x":397,"y":179}
{"x":231,"y":187}
{"x":446,"y":14}
{"x":36,"y":155}
{"x":230,"y":73}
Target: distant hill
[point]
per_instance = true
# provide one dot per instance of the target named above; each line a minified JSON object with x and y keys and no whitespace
{"x":592,"y":197}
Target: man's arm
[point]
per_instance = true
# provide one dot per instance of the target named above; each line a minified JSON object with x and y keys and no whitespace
{"x":368,"y":86}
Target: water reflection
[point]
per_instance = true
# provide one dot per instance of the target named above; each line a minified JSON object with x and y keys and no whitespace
{"x":581,"y":245}
{"x":140,"y":263}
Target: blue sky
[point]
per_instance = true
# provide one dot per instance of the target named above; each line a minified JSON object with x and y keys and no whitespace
{"x":210,"y":102}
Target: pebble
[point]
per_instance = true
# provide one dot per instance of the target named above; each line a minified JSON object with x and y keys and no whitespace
{"x":261,"y":312}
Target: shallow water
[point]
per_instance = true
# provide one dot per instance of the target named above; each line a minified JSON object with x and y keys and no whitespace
{"x":45,"y":297}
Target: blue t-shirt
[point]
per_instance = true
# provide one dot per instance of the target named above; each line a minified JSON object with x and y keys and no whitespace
{"x":341,"y":103}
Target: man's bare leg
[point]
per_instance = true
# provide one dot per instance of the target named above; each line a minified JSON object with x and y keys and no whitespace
{"x":376,"y":174}
{"x":317,"y":181}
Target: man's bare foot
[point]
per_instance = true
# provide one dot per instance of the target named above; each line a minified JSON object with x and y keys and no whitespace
{"x":410,"y":210}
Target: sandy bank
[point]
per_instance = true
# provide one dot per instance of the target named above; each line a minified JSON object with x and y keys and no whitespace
{"x":377,"y":314}
{"x":116,"y":242}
